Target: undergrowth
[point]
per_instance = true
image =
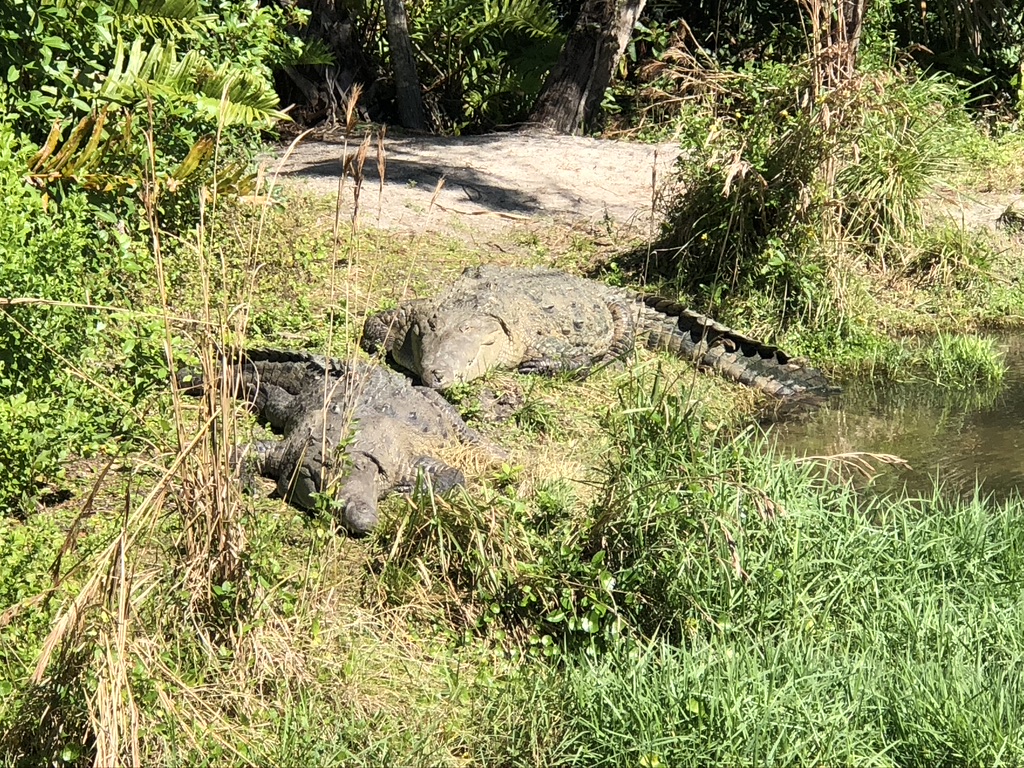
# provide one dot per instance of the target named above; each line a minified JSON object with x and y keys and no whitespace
{"x":722,"y":606}
{"x":715,"y":605}
{"x":820,"y":216}
{"x":677,"y":596}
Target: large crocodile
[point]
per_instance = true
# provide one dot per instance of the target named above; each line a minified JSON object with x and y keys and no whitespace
{"x":546,"y":321}
{"x":356,"y":429}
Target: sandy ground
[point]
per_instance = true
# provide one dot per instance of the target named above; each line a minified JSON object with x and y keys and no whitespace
{"x":493,"y":182}
{"x":500,"y":182}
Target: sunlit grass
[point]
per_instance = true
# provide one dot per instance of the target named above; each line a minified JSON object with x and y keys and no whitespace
{"x":641,"y":584}
{"x":959,"y":361}
{"x":788,"y":622}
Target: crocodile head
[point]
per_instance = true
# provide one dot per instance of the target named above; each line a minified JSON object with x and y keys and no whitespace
{"x":446,"y":349}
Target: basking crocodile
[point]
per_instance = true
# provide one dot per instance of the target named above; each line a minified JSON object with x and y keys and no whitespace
{"x":362,"y":428}
{"x":546,"y":321}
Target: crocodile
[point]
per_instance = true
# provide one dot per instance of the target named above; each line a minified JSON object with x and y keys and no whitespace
{"x":547,"y":321}
{"x":354,"y":428}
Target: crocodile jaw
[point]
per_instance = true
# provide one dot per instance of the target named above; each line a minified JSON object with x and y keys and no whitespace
{"x":460,"y":350}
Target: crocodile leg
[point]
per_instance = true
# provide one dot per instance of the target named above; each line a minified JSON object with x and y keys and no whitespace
{"x":442,"y":477}
{"x":547,"y":366}
{"x":384,"y":330}
{"x":380,"y":331}
{"x":357,"y":493}
{"x":274,"y":405}
{"x":298,"y":480}
{"x":453,"y":421}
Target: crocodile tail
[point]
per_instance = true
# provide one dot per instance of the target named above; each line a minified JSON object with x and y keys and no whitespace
{"x":267,"y":358}
{"x":246,"y":370}
{"x":668,"y":325}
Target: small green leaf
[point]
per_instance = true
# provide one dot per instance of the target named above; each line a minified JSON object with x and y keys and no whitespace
{"x":55,"y":42}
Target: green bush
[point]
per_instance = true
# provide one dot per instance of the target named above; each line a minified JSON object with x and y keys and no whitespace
{"x":782,"y":190}
{"x":793,"y":198}
{"x":482,"y":64}
{"x":746,"y":178}
{"x":85,"y":86}
{"x":92,"y":83}
{"x":30,"y":449}
{"x":71,"y":373}
{"x":896,"y":138}
{"x":63,"y":250}
{"x":61,"y":61}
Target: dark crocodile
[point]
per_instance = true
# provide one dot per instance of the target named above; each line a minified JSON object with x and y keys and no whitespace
{"x":546,"y":321}
{"x":356,"y":430}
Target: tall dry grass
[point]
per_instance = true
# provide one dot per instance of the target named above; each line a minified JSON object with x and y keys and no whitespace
{"x":177,"y":569}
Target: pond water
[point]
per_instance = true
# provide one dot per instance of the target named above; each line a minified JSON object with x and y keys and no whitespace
{"x":966,"y":439}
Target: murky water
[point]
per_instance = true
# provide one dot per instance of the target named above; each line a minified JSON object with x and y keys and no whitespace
{"x":965,"y":439}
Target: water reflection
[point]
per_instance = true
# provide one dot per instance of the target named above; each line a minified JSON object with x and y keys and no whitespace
{"x":965,"y":438}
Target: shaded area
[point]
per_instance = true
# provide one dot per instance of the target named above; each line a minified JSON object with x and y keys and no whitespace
{"x":963,"y":438}
{"x":470,"y":184}
{"x":512,"y":175}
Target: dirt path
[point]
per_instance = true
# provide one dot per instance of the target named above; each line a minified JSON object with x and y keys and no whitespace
{"x":503,"y":182}
{"x":495,"y":182}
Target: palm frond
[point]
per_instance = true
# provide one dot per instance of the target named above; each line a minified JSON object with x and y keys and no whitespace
{"x":226,"y":95}
{"x":79,"y":158}
{"x":314,"y":53}
{"x":160,"y":17}
{"x":234,"y":97}
{"x":525,"y":17}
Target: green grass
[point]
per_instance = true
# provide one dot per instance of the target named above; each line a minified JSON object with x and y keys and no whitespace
{"x":707,"y":603}
{"x":955,"y":361}
{"x":787,"y":624}
{"x":722,"y":606}
{"x":642,"y":583}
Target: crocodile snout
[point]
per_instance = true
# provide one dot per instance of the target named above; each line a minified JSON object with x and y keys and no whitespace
{"x":359,"y":518}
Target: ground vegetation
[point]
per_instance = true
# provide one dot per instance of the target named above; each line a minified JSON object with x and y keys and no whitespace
{"x":644,"y":581}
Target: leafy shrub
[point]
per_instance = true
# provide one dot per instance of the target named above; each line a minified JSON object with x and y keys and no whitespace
{"x":483,"y":63}
{"x":91,"y":83}
{"x":746,"y":191}
{"x":62,"y":256}
{"x":30,"y":449}
{"x":59,"y":250}
{"x":781,"y":180}
{"x":64,"y":60}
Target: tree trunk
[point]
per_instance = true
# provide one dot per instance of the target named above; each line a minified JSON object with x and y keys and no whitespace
{"x":403,"y":66}
{"x":572,"y":93}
